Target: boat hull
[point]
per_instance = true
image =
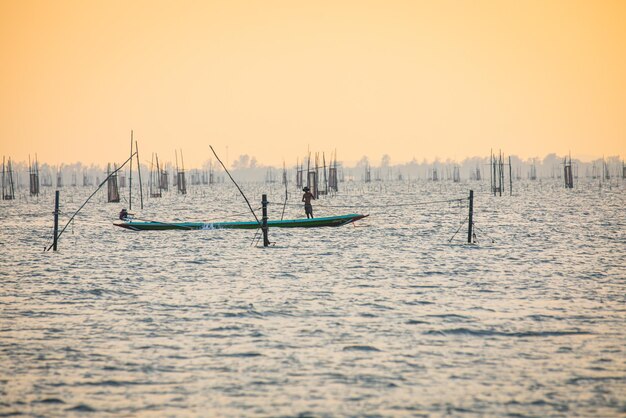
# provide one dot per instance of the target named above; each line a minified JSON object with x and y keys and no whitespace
{"x":141,"y":225}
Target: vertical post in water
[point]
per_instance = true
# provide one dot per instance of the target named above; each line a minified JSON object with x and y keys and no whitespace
{"x":470,"y":222}
{"x":56,"y":220}
{"x":130,"y":176}
{"x":492,"y":173}
{"x":266,"y":241}
{"x":3,"y":195}
{"x":510,"y":177}
{"x":139,"y":171}
{"x":500,"y":174}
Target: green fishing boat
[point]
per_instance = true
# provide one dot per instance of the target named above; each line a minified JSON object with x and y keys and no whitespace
{"x":143,"y":225}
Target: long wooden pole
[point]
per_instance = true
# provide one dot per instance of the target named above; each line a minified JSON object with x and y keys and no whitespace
{"x":236,"y":185}
{"x":501,"y":173}
{"x":130,"y":177}
{"x":470,"y":222}
{"x":286,"y":191}
{"x":492,"y":173}
{"x":89,"y":198}
{"x":3,"y":195}
{"x":308,"y":168}
{"x":56,"y":220}
{"x":266,"y":241}
{"x":510,"y":177}
{"x":139,"y":170}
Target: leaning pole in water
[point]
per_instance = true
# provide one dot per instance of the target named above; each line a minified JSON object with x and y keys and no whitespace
{"x":56,"y":207}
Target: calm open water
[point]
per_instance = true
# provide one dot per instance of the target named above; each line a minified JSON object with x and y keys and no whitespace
{"x":385,"y":318}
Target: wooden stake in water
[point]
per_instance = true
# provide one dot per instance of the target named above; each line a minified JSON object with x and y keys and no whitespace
{"x":470,"y":222}
{"x":510,"y":178}
{"x":56,"y":220}
{"x":139,"y":171}
{"x":266,"y":241}
{"x":130,"y":174}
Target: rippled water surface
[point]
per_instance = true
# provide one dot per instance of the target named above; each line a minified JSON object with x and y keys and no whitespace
{"x":384,"y":318}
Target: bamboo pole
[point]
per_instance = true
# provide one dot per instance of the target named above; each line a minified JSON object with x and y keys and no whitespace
{"x":139,"y":171}
{"x":470,"y":222}
{"x":56,"y":220}
{"x":130,"y":177}
{"x":510,"y":177}
{"x":264,"y":228}
{"x":236,"y":185}
{"x":89,"y":198}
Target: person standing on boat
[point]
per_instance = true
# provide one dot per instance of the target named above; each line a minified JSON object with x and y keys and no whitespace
{"x":306,"y":198}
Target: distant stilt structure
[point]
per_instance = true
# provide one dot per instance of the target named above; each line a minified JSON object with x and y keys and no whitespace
{"x":74,"y":179}
{"x":284,"y":179}
{"x":312,"y":184}
{"x":605,"y":170}
{"x":456,"y":174}
{"x":595,"y":171}
{"x":181,"y":183}
{"x":299,"y":175}
{"x":194,"y":176}
{"x":333,"y":181}
{"x":155,"y":182}
{"x":86,"y":181}
{"x":533,"y":171}
{"x":269,"y":176}
{"x":497,"y":174}
{"x":60,"y":177}
{"x":33,"y":175}
{"x":325,"y":174}
{"x":368,"y":173}
{"x":475,"y":174}
{"x":211,"y":173}
{"x":320,"y":176}
{"x":8,"y":187}
{"x":316,"y":185}
{"x":567,"y":173}
{"x":308,"y":169}
{"x":434,"y":174}
{"x":164,"y":179}
{"x":113,"y":193}
{"x":623,"y":170}
{"x":46,"y":179}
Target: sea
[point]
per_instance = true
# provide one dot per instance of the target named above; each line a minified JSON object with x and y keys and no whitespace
{"x":395,"y":315}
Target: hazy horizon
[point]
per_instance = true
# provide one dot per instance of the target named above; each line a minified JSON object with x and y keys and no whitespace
{"x":232,"y":164}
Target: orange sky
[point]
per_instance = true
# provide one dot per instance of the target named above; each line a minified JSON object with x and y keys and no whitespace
{"x":422,"y":79}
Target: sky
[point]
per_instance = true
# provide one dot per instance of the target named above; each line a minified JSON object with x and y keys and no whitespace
{"x":277,"y":79}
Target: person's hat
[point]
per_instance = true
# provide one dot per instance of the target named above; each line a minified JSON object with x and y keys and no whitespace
{"x":306,"y":189}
